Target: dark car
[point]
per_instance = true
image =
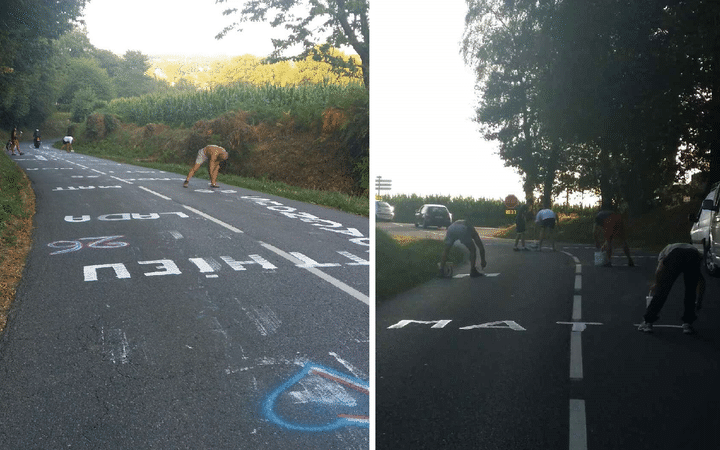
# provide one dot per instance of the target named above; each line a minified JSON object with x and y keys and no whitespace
{"x":433,"y":215}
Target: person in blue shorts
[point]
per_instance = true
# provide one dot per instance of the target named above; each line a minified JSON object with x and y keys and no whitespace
{"x":461,"y":231}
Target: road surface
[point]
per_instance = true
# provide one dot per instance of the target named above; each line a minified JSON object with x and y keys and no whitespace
{"x":544,"y":353}
{"x":152,"y":316}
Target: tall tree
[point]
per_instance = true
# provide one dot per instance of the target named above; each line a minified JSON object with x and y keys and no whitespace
{"x":26,"y":31}
{"x":316,"y":25}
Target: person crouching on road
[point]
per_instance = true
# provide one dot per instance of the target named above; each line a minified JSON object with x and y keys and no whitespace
{"x":468,"y":236}
{"x":546,"y":218}
{"x":674,"y":260}
{"x":215,"y":155}
{"x":610,"y":225}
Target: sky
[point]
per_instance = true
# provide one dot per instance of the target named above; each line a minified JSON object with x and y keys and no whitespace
{"x":422,"y":93}
{"x":422,"y":102}
{"x":161,"y":27}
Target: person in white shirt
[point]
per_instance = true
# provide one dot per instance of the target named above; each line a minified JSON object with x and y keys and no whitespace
{"x":67,"y":144}
{"x":676,"y":259}
{"x":547,"y":219}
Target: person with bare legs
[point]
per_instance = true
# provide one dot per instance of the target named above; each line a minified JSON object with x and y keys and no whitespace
{"x":468,"y":236}
{"x":215,"y":155}
{"x":610,"y":226}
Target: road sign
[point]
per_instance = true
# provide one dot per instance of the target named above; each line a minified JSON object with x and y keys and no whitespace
{"x":382,"y":185}
{"x":511,"y":202}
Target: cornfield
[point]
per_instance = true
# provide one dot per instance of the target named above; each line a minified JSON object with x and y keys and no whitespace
{"x":268,"y":103}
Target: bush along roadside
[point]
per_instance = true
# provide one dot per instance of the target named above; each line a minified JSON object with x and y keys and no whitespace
{"x":17,"y":208}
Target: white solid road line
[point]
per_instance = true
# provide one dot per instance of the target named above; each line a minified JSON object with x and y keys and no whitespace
{"x":334,"y":281}
{"x":578,"y":425}
{"x":150,"y":191}
{"x":211,"y":218}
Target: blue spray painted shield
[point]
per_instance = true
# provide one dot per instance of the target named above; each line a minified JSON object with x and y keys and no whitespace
{"x":328,"y":400}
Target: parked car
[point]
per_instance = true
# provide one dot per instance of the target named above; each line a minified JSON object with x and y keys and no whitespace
{"x":384,"y":211}
{"x":705,"y":232}
{"x":433,"y":215}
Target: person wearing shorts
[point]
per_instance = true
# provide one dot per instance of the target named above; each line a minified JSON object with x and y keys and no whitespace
{"x":15,"y":141}
{"x":546,"y":218}
{"x":214,"y":154}
{"x":610,"y":226}
{"x":468,"y":236}
{"x":676,"y":259}
{"x":67,"y":144}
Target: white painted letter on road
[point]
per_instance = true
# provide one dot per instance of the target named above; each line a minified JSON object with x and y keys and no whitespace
{"x":91,"y":271}
{"x":506,"y":324}
{"x":168,"y":266}
{"x":437,"y":323}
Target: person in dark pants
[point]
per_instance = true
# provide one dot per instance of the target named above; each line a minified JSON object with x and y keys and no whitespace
{"x":520,"y":227}
{"x":610,"y":225}
{"x":676,"y":259}
{"x":468,"y":235}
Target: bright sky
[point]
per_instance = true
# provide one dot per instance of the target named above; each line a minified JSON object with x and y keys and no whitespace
{"x":160,"y":27}
{"x":422,"y":101}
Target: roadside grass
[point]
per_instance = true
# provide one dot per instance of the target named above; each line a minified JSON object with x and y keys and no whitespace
{"x":332,"y":199}
{"x":403,"y":263}
{"x":17,"y":207}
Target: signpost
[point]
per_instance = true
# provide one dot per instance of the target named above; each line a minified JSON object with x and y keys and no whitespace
{"x":382,"y":185}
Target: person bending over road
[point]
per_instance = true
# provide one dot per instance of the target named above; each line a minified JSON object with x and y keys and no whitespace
{"x":468,"y":236}
{"x":610,"y":225}
{"x":546,"y":218}
{"x":215,"y":155}
{"x":674,"y":260}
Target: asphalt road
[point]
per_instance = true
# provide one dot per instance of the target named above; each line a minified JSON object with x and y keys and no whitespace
{"x":545,"y":354}
{"x":152,"y":316}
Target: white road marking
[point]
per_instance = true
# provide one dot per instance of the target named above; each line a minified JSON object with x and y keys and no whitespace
{"x":578,"y":425}
{"x":578,"y":283}
{"x":463,"y":275}
{"x":576,"y":363}
{"x":209,"y":217}
{"x":153,"y":192}
{"x":335,"y":282}
{"x":308,"y":262}
{"x":577,"y":308}
{"x":125,"y":181}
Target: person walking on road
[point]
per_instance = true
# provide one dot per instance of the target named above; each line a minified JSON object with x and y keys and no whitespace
{"x":521,"y":226}
{"x":674,"y":260}
{"x":15,"y":141}
{"x":462,"y":231}
{"x":546,"y":218}
{"x":610,"y":225}
{"x":215,"y":154}
{"x":67,"y":143}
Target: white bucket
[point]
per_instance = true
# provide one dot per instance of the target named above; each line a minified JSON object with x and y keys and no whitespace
{"x":601,"y":258}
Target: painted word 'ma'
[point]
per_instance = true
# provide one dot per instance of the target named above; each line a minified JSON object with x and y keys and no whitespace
{"x":168,"y":267}
{"x":122,"y":216}
{"x":502,"y":324}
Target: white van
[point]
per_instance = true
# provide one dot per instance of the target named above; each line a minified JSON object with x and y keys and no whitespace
{"x":705,"y":232}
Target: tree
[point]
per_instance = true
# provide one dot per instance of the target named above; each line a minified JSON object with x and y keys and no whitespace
{"x":336,"y":23}
{"x":27,"y":29}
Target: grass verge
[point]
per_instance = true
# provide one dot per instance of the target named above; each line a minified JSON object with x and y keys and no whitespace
{"x":403,"y":263}
{"x":338,"y":200}
{"x":17,"y":207}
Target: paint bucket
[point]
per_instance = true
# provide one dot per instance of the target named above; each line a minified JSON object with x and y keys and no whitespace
{"x":601,"y":258}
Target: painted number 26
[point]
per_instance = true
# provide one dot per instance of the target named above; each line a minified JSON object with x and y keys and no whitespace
{"x":94,"y":242}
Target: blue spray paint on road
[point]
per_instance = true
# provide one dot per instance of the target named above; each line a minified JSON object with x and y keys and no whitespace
{"x":331,"y":407}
